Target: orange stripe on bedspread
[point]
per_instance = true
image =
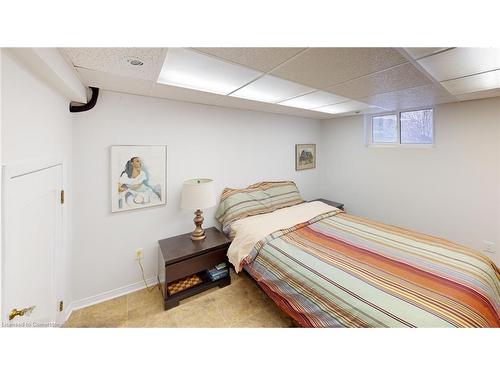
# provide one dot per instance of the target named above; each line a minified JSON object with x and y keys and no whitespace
{"x":454,"y":290}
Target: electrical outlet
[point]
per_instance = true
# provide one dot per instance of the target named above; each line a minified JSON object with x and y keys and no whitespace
{"x":139,"y":254}
{"x":489,"y":246}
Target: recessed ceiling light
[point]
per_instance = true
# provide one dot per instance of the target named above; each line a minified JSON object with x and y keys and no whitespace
{"x":186,"y":68}
{"x":478,"y":82}
{"x":314,"y":100}
{"x":460,"y":62}
{"x":134,"y":61}
{"x":271,"y":89}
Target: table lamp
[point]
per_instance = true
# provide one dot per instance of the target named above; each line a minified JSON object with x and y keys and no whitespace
{"x":197,"y":194}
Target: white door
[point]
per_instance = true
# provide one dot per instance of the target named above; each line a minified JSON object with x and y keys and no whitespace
{"x":32,"y":251}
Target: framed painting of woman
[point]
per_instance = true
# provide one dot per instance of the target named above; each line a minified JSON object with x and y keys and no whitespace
{"x":138,"y":177}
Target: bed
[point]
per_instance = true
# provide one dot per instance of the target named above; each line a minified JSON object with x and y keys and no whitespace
{"x":326,"y":268}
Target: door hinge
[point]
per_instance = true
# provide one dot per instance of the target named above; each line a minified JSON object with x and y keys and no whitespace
{"x":61,"y":305}
{"x":62,"y":196}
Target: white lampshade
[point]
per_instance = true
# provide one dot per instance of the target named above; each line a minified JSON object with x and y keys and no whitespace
{"x":198,"y":193}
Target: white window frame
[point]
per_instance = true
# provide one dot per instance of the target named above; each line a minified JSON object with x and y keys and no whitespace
{"x":369,"y":133}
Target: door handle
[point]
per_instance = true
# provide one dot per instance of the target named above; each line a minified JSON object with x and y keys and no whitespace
{"x":22,"y":312}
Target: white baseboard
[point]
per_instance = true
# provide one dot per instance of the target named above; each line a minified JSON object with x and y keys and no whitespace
{"x":106,"y":296}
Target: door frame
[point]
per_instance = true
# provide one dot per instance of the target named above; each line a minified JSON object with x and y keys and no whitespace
{"x":15,"y":169}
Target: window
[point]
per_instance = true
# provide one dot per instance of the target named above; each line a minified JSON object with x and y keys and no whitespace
{"x":414,"y":127}
{"x":384,"y":129}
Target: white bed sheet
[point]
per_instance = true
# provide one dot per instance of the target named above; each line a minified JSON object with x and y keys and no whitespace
{"x":250,"y":230}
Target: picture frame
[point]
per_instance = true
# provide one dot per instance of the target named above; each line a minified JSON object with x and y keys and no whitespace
{"x":138,"y":176}
{"x":305,"y":156}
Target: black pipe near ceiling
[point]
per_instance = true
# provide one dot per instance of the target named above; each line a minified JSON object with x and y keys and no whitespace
{"x":89,"y":105}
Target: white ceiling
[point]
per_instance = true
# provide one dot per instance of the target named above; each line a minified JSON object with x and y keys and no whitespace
{"x":362,"y":80}
{"x":114,"y":61}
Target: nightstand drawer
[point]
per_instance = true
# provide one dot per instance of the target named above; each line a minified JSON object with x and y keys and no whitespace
{"x":196,"y":264}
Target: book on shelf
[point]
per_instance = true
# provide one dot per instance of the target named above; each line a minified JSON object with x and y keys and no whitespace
{"x":218,"y":277}
{"x":220,"y":266}
{"x":216,"y":274}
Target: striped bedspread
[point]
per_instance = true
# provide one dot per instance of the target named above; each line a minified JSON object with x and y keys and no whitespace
{"x":338,"y":270}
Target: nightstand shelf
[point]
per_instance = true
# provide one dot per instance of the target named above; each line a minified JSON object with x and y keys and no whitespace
{"x":173,"y":300}
{"x":180,"y":256}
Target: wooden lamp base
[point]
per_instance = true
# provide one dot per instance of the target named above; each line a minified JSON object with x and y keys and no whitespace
{"x":199,"y":233}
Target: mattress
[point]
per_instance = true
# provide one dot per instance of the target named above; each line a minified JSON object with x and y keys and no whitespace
{"x":337,"y":270}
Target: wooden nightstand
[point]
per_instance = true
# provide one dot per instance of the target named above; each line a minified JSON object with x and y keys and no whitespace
{"x":180,"y":256}
{"x":340,"y":206}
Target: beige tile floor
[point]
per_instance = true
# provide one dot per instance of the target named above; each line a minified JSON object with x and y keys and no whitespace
{"x":241,"y":304}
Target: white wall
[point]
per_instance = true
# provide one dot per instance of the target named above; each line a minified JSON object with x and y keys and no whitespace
{"x":36,"y":119}
{"x":36,"y":124}
{"x":233,"y":147}
{"x":451,"y":190}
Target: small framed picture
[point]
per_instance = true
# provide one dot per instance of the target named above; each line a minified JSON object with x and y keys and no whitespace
{"x":138,"y":177}
{"x":305,"y":156}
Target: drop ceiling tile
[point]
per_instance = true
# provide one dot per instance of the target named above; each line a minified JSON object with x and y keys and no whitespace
{"x":419,"y":52}
{"x":271,"y":89}
{"x":188,"y":68}
{"x":393,"y":79}
{"x":479,"y":95}
{"x":459,"y":62}
{"x":411,"y":98}
{"x":373,"y":109}
{"x":114,"y":61}
{"x":184,"y":94}
{"x":313,"y":100}
{"x":263,"y":59}
{"x":366,"y":111}
{"x":107,"y":81}
{"x":478,"y":82}
{"x":240,"y":103}
{"x":324,"y":67}
{"x":350,"y":106}
{"x":311,"y":114}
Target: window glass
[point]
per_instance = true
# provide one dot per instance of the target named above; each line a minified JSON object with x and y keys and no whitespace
{"x":384,"y":129}
{"x":416,"y":127}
